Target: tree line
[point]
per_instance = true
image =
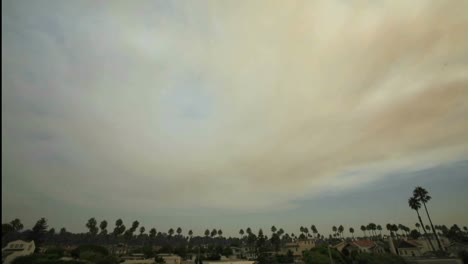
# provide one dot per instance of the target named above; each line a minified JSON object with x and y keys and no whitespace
{"x":138,"y":235}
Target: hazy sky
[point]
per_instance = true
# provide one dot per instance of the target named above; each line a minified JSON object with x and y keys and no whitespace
{"x":231,"y":114}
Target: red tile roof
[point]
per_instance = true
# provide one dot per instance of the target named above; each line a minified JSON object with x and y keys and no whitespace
{"x":364,"y":243}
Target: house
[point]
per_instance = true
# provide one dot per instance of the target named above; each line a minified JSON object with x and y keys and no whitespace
{"x":239,"y":252}
{"x":408,"y":248}
{"x":456,"y":247}
{"x":297,"y":248}
{"x":119,"y":249}
{"x":16,"y":249}
{"x":346,"y":248}
{"x":171,"y":259}
{"x":368,"y":246}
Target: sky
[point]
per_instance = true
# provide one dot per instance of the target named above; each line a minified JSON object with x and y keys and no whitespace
{"x":233,"y":114}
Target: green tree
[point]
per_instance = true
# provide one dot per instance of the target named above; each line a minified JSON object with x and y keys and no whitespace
{"x":273,"y":229}
{"x":241,"y":232}
{"x":415,"y":204}
{"x":351,"y":230}
{"x":379,"y":227}
{"x":340,"y":230}
{"x":119,"y":228}
{"x":275,"y":241}
{"x":363,"y":229}
{"x":214,"y":232}
{"x":103,"y":227}
{"x":92,"y":226}
{"x":142,"y":230}
{"x":190,"y":233}
{"x":179,"y":231}
{"x":414,"y":234}
{"x":152,"y":233}
{"x":17,"y":225}
{"x":7,"y":228}
{"x":422,"y":195}
{"x":207,"y":233}
{"x":418,"y":226}
{"x":314,"y":230}
{"x":170,"y":232}
{"x":38,"y":232}
{"x":220,"y":233}
{"x":334,"y":229}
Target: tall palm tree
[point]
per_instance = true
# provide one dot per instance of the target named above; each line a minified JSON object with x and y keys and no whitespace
{"x":379,"y":227}
{"x":389,"y":228}
{"x":103,"y":226}
{"x":422,"y":195}
{"x":241,"y":232}
{"x":334,"y":230}
{"x":363,"y":229}
{"x":179,"y":231}
{"x":207,"y":233}
{"x":340,"y":230}
{"x":220,"y":233}
{"x":190,"y":233}
{"x":170,"y":232}
{"x":273,"y":229}
{"x":314,"y":230}
{"x":416,"y":205}
{"x":418,"y":226}
{"x":351,"y":230}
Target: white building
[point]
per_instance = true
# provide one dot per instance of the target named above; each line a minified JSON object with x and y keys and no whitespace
{"x":16,"y":249}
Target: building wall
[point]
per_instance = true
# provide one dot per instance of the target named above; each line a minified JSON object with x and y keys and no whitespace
{"x":409,"y":252}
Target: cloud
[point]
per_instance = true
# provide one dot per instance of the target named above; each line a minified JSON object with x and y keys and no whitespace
{"x":242,"y":106}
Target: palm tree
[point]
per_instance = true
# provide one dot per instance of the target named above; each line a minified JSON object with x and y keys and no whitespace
{"x":351,"y":230}
{"x":170,"y":232}
{"x":418,"y":226}
{"x":314,"y":230}
{"x":306,"y":231}
{"x":207,"y":233}
{"x":103,"y":226}
{"x":190,"y":233}
{"x":241,"y":232}
{"x":363,"y":229}
{"x":179,"y":231}
{"x":220,"y":233}
{"x":280,"y":232}
{"x":428,"y":227}
{"x":334,"y":230}
{"x":422,"y":195}
{"x":379,"y":227}
{"x":152,"y":233}
{"x":416,"y":205}
{"x":214,"y":232}
{"x":273,"y":229}
{"x":248,"y":230}
{"x":142,"y":230}
{"x":340,"y":230}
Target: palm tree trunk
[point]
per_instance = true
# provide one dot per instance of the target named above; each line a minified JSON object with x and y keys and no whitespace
{"x":424,"y":229}
{"x":432,"y":226}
